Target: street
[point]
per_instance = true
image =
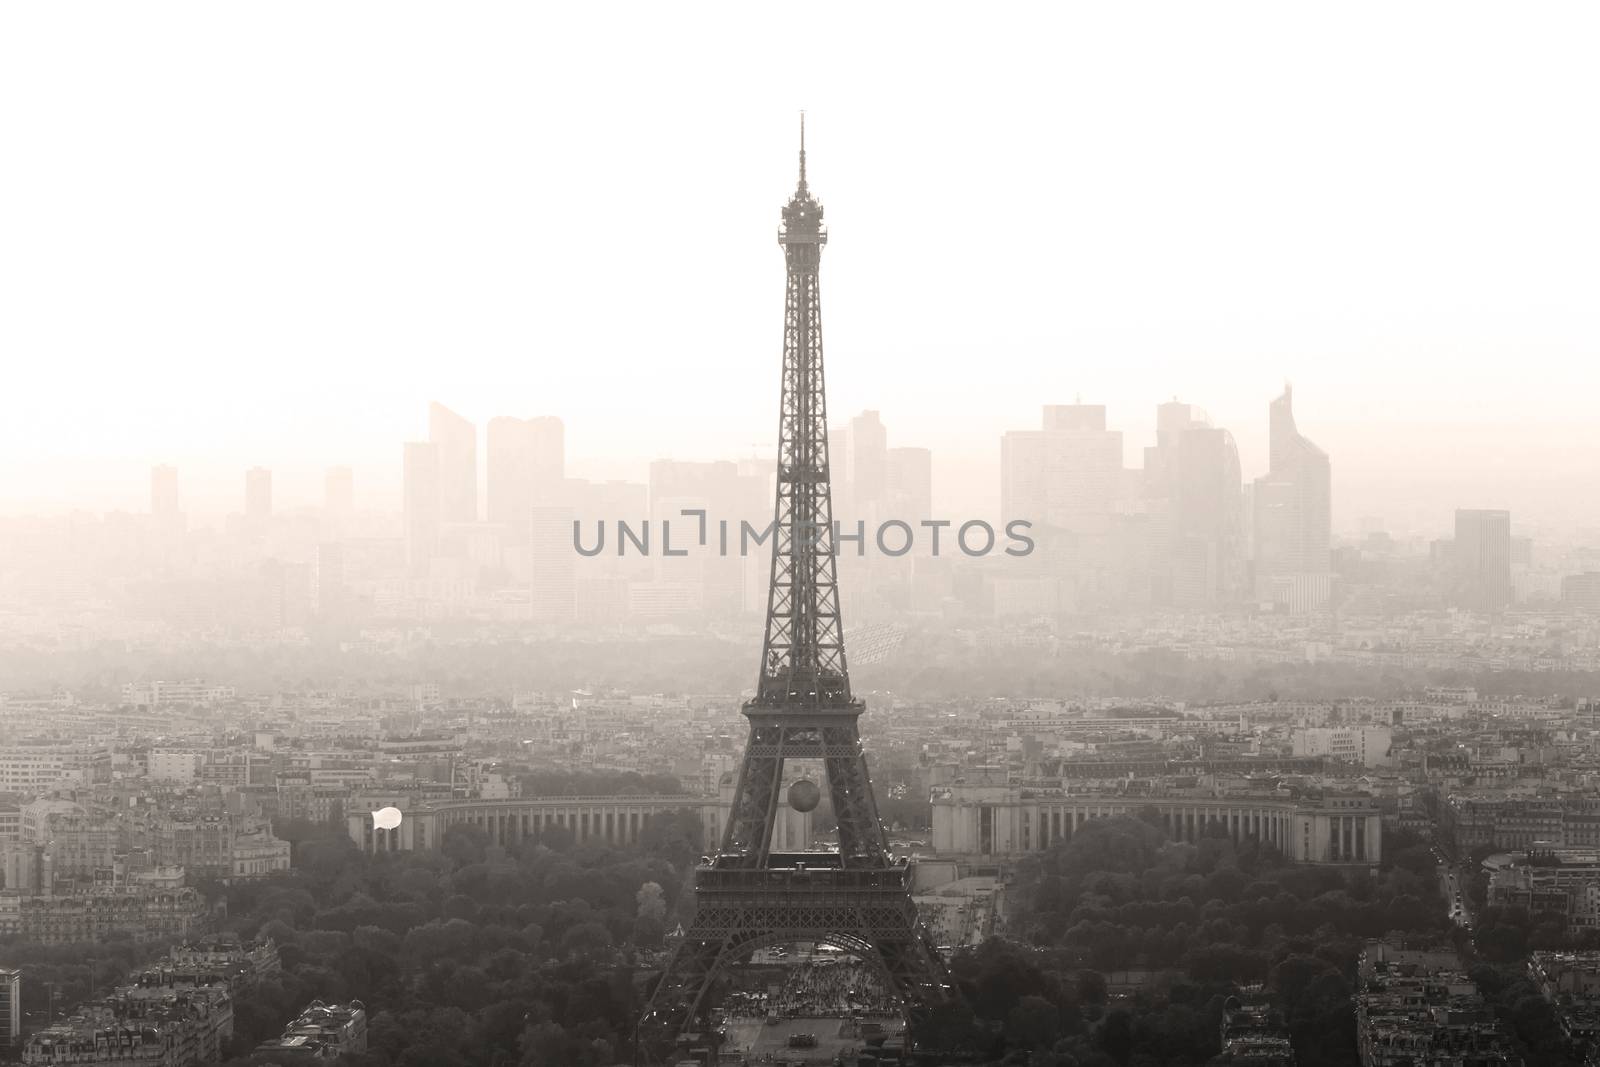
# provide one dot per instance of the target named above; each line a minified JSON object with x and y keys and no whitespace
{"x":1452,"y":882}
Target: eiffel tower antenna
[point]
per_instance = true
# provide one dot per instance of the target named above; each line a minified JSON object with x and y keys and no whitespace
{"x":803,"y":153}
{"x":759,"y":889}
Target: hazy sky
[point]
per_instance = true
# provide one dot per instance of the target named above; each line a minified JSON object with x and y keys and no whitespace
{"x":269,"y":234}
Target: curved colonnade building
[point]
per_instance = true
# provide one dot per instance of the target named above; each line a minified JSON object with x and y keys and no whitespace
{"x":612,"y":820}
{"x":1005,"y":821}
{"x":970,"y":822}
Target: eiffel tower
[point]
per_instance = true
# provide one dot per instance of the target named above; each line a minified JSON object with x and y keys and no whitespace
{"x":747,"y":896}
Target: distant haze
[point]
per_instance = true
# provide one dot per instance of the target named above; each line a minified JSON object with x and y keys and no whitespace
{"x":269,"y":235}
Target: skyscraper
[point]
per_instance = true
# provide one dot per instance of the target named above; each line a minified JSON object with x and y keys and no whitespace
{"x":725,"y":494}
{"x":457,"y":441}
{"x":1293,"y":517}
{"x":258,"y":495}
{"x":864,"y":465}
{"x":553,"y":591}
{"x":1482,"y":559}
{"x":164,"y":492}
{"x":1070,"y":469}
{"x":1195,"y":501}
{"x":527,"y":461}
{"x":420,"y":503}
{"x":1067,"y":480}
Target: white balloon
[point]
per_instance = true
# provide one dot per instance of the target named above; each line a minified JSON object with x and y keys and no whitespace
{"x":386,"y":818}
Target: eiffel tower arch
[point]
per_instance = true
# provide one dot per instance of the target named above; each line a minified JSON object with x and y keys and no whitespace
{"x":748,"y":896}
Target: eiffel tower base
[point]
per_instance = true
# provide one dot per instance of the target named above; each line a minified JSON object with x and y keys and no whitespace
{"x":868,"y":913}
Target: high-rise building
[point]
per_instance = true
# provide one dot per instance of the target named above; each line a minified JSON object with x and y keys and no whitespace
{"x":553,"y":592}
{"x":864,"y":464}
{"x":258,"y":494}
{"x":10,"y":1008}
{"x":1195,"y":500}
{"x":1070,"y":469}
{"x":724,"y":493}
{"x":338,"y":492}
{"x":1293,"y":517}
{"x":164,"y":492}
{"x":420,"y":492}
{"x":457,"y":441}
{"x":527,"y":462}
{"x":1482,"y":558}
{"x":1067,"y":480}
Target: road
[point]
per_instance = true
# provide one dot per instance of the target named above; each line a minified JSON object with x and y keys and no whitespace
{"x":1453,"y":883}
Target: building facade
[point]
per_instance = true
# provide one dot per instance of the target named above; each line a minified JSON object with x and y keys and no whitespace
{"x":1370,"y":746}
{"x":1482,"y":558}
{"x":1007,"y":821}
{"x":10,"y":1008}
{"x":1475,"y":820}
{"x":609,"y":819}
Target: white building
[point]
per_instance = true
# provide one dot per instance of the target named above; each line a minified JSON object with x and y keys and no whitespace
{"x":30,"y":769}
{"x":1370,"y":746}
{"x":258,"y":854}
{"x":160,"y":694}
{"x":174,"y":765}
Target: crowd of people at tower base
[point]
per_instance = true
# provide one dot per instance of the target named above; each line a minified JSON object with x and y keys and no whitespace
{"x":824,"y":986}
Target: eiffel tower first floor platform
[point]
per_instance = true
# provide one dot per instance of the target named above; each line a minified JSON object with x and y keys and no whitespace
{"x":796,"y":897}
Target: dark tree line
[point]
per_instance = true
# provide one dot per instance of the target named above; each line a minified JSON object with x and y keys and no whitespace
{"x":473,"y":954}
{"x":1199,"y":921}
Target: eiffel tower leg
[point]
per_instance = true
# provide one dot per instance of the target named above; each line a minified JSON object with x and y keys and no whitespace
{"x":688,"y":978}
{"x":850,"y":790}
{"x":755,"y":796}
{"x":680,"y":995}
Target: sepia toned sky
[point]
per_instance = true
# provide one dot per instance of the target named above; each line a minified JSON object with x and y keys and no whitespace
{"x":269,"y":234}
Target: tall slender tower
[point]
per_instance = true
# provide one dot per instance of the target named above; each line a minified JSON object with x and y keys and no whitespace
{"x":747,"y":895}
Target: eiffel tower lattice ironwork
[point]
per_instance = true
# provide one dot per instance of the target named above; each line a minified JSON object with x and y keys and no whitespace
{"x":748,"y":896}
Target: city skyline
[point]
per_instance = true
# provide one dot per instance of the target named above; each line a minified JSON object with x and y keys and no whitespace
{"x":1348,"y":234}
{"x":1411,"y":501}
{"x":472,"y":437}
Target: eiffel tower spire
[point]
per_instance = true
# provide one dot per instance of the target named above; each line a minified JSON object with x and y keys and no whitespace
{"x":802,"y":656}
{"x":801,"y":190}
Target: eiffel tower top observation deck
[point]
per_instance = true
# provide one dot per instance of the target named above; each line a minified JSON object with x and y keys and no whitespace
{"x":802,"y":656}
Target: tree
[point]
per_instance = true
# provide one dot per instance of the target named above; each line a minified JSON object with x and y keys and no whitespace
{"x":1091,"y":987}
{"x":1034,"y":1023}
{"x":1116,"y":1036}
{"x":676,"y":836}
{"x":585,"y":939}
{"x":651,"y":922}
{"x":464,"y":843}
